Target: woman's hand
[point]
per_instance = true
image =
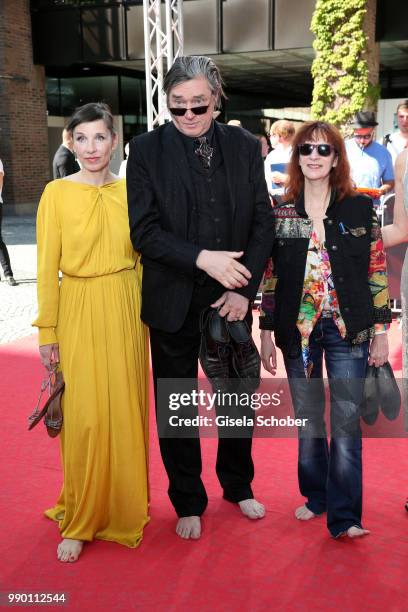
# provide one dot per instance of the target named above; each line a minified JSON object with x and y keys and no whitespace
{"x":224,"y":267}
{"x":268,"y":352}
{"x":49,"y":354}
{"x":378,"y":350}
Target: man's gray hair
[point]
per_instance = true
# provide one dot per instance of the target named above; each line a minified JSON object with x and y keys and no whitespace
{"x":191,"y":67}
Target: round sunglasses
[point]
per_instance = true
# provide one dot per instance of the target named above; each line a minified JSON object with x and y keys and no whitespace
{"x":197,"y":110}
{"x":324,"y":150}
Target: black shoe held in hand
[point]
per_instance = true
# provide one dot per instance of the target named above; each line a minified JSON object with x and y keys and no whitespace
{"x":388,"y":391}
{"x":245,"y":357}
{"x":227,"y":350}
{"x":370,"y":405}
{"x":215,"y":349}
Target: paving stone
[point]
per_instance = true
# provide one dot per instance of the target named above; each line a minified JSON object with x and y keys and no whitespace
{"x":18,"y":305}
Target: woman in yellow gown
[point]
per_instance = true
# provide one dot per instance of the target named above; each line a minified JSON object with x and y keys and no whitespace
{"x":90,"y":323}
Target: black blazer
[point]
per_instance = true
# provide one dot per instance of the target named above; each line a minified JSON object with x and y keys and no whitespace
{"x":160,"y":196}
{"x":64,"y":163}
{"x":352,"y":229}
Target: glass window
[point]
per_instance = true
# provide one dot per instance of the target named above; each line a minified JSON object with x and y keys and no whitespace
{"x":80,"y":90}
{"x":102,"y":34}
{"x":132,"y":126}
{"x":292,"y":23}
{"x":135,"y":32}
{"x":133,"y":107}
{"x":200,"y":27}
{"x":246,"y":25}
{"x":132,"y":96}
{"x":53,"y":96}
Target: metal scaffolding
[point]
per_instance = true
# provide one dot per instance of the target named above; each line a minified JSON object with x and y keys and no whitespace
{"x":161,"y":44}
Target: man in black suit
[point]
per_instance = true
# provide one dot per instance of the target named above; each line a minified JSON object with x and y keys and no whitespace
{"x":200,"y":215}
{"x":64,"y":162}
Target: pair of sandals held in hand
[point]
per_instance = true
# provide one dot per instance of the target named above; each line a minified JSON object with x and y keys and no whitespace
{"x":51,"y":412}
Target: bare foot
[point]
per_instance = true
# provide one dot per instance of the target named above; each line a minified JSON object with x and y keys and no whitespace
{"x":304,"y":514}
{"x":189,"y":527}
{"x":356,"y":532}
{"x":68,"y":550}
{"x":252,"y":508}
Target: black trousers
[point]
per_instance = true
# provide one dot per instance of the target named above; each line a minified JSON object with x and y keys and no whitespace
{"x":4,"y":254}
{"x":175,"y":355}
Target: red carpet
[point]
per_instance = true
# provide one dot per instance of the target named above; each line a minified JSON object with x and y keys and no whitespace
{"x":277,"y":563}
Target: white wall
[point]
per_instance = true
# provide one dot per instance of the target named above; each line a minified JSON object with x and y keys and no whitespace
{"x":386,"y":116}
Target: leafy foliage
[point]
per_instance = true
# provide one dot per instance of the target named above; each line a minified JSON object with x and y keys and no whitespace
{"x":339,"y":69}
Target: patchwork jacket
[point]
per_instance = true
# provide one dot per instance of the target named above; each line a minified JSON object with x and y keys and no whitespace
{"x":357,"y":259}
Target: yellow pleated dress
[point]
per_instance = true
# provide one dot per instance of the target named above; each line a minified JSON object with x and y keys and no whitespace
{"x":94,"y":315}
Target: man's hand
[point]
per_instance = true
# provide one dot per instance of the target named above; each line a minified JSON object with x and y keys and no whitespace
{"x":49,"y":354}
{"x":222,"y":266}
{"x":234,"y":306}
{"x":387,"y":187}
{"x":378,"y":350}
{"x":268,"y":351}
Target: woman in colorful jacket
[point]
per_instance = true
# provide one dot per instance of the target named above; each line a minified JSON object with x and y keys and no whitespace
{"x":325,"y":293}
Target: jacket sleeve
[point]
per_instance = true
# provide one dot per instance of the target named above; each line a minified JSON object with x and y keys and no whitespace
{"x":48,"y":262}
{"x":67,"y":165}
{"x":377,"y":277}
{"x":64,"y":164}
{"x":146,"y":233}
{"x":266,"y":316}
{"x":262,"y":231}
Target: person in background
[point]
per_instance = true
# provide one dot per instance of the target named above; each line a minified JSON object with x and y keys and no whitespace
{"x":4,"y":254}
{"x":398,"y":141}
{"x":281,"y":135}
{"x":122,"y":169}
{"x":397,"y":233}
{"x":264,"y":144}
{"x":64,"y":162}
{"x":328,"y":263}
{"x":370,"y":163}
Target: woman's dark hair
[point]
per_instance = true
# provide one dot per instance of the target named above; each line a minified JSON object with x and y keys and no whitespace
{"x":339,"y":177}
{"x":93,"y":111}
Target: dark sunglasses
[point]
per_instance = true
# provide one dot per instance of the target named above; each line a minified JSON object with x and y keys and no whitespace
{"x":324,"y":150}
{"x":197,"y":110}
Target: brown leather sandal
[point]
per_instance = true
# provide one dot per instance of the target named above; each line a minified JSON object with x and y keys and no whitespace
{"x":51,"y":412}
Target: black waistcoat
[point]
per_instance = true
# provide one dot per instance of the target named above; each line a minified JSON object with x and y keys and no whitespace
{"x":210,"y":221}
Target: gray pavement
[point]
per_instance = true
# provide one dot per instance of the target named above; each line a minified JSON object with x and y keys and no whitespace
{"x":18,"y":305}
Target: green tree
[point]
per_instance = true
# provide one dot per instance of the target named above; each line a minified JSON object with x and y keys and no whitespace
{"x":344,"y":81}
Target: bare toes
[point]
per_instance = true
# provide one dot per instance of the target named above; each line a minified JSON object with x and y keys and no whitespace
{"x":304,"y":514}
{"x":189,"y":527}
{"x":357,"y":532}
{"x":68,"y":550}
{"x":252,"y":508}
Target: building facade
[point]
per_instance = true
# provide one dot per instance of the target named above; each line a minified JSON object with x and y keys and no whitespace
{"x":57,"y":54}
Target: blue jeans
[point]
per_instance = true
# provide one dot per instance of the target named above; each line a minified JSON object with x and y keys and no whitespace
{"x":330,"y":477}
